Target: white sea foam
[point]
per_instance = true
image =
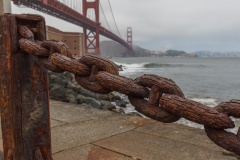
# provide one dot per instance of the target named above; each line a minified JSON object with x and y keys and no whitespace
{"x":131,"y":68}
{"x":134,"y":65}
{"x":211,"y":102}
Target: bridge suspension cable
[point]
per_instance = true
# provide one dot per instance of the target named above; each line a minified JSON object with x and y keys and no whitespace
{"x":77,"y":6}
{"x":105,"y":17}
{"x":114,"y":18}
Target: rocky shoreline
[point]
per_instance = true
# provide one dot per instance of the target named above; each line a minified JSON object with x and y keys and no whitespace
{"x":63,"y":87}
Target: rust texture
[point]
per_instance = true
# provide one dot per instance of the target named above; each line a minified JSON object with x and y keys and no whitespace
{"x":25,"y":32}
{"x":165,"y":85}
{"x":33,"y":48}
{"x":58,"y":47}
{"x":101,"y":63}
{"x":69,"y":64}
{"x":24,"y":92}
{"x":195,"y":112}
{"x":90,"y":83}
{"x":152,"y":107}
{"x":24,"y":98}
{"x":225,"y":139}
{"x":45,"y":62}
{"x":152,"y":111}
{"x":96,"y":64}
{"x":121,"y":84}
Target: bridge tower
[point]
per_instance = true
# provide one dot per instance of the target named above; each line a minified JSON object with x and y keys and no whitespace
{"x":91,"y":38}
{"x":129,"y":36}
{"x":130,"y":52}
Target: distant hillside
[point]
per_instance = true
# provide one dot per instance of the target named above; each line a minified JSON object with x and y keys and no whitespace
{"x":217,"y":54}
{"x":171,"y":53}
{"x":141,"y":52}
{"x":175,"y":53}
{"x":113,"y":49}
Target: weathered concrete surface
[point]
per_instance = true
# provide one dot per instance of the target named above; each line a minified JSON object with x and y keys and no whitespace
{"x":56,"y":123}
{"x":89,"y":152}
{"x":70,"y":113}
{"x":150,"y":147}
{"x":80,"y":132}
{"x":179,"y":133}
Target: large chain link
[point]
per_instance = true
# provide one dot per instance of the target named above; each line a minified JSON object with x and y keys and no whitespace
{"x":156,"y":97}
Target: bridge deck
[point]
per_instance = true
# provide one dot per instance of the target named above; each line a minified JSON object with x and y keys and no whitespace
{"x":80,"y":132}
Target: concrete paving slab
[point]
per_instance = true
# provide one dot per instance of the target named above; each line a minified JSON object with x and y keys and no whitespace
{"x":180,"y":133}
{"x":70,"y":113}
{"x":55,"y":123}
{"x":76,"y":134}
{"x":89,"y":152}
{"x":150,"y":147}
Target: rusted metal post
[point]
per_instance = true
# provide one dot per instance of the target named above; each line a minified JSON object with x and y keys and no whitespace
{"x":24,"y":98}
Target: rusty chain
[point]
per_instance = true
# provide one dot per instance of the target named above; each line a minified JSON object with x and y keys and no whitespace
{"x":156,"y":97}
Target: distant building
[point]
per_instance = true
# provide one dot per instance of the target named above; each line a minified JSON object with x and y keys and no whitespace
{"x":157,"y":53}
{"x":73,"y":40}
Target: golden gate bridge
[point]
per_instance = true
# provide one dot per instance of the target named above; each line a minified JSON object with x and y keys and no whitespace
{"x":86,"y":14}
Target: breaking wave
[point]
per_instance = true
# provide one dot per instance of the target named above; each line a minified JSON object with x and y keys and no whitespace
{"x":147,"y":65}
{"x":129,"y":68}
{"x":157,"y":65}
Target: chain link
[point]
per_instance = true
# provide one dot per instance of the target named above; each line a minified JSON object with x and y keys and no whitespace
{"x":222,"y":138}
{"x":156,"y":97}
{"x":96,"y":64}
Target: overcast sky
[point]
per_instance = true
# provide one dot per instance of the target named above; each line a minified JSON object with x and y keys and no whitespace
{"x":189,"y":25}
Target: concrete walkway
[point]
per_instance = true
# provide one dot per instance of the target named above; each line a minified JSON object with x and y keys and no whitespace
{"x":80,"y":132}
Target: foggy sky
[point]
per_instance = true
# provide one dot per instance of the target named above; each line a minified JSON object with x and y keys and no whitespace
{"x":189,"y":25}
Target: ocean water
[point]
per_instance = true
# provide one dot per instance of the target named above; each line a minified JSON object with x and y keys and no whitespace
{"x":209,"y":81}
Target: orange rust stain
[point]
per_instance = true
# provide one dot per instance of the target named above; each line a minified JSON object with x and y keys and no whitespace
{"x":46,"y":153}
{"x":35,"y":77}
{"x":9,"y":154}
